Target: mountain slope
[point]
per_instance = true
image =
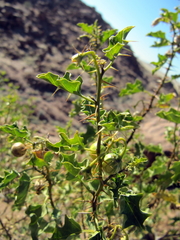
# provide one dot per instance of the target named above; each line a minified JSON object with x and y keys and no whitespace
{"x":41,"y":36}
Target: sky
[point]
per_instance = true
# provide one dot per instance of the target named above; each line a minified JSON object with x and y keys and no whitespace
{"x":139,"y":13}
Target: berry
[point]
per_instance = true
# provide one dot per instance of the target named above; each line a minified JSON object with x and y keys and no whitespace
{"x":112,"y":163}
{"x":18,"y":149}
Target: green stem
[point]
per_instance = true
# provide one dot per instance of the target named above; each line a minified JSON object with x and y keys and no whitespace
{"x":108,"y":66}
{"x":88,"y":99}
{"x":50,"y":185}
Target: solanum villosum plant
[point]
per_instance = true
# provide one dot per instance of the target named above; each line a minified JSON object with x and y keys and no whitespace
{"x":95,"y":185}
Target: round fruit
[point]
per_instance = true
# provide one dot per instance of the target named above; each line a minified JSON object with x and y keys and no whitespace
{"x":93,"y":148}
{"x":18,"y":149}
{"x":112,"y":163}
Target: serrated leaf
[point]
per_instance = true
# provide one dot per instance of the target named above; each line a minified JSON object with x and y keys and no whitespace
{"x":15,"y":131}
{"x":53,"y":146}
{"x":114,"y":120}
{"x":71,"y":227}
{"x":71,"y":168}
{"x":164,"y":99}
{"x":172,"y":115}
{"x":9,"y":177}
{"x":162,"y":39}
{"x":70,"y":163}
{"x":49,"y":77}
{"x":34,"y":212}
{"x":71,"y":86}
{"x":161,"y":43}
{"x":86,"y":28}
{"x":175,"y":76}
{"x":132,"y":88}
{"x":162,"y":59}
{"x":76,"y":140}
{"x":22,"y":190}
{"x":114,"y":51}
{"x":158,"y":34}
{"x":38,"y":162}
{"x":73,"y":66}
{"x":118,"y":38}
{"x":107,"y":34}
{"x":116,"y":43}
{"x":130,"y":208}
{"x":48,"y":156}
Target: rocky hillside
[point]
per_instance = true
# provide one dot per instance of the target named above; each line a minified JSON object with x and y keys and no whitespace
{"x":40,"y":36}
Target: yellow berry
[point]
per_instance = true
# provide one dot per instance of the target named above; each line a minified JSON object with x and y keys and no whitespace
{"x":18,"y":149}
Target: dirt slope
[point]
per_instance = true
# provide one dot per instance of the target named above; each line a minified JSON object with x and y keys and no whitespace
{"x":40,"y":36}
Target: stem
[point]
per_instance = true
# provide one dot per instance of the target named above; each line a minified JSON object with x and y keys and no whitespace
{"x":153,"y":97}
{"x":108,"y":66}
{"x":175,"y":141}
{"x":50,"y":188}
{"x":6,"y":230}
{"x":98,"y":149}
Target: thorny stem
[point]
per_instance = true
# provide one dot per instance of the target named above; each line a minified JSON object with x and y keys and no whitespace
{"x":46,"y":175}
{"x":98,"y":149}
{"x":175,"y":141}
{"x":50,"y":185}
{"x":154,"y":96}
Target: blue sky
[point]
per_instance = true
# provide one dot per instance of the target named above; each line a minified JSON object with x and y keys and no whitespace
{"x":139,"y":13}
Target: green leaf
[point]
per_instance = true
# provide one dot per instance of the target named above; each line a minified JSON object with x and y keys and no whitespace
{"x":15,"y":131}
{"x":38,"y":162}
{"x":164,"y":99}
{"x":9,"y":177}
{"x":89,"y":135}
{"x":132,"y":88}
{"x":75,"y":143}
{"x":114,"y":120}
{"x":86,"y":28}
{"x":154,"y":148}
{"x":71,"y":227}
{"x":71,"y":168}
{"x":34,"y":212}
{"x":118,"y":38}
{"x":22,"y":190}
{"x":176,"y":168}
{"x":49,"y":77}
{"x":114,"y":51}
{"x":77,"y":140}
{"x":172,"y":16}
{"x":73,"y":66}
{"x":96,"y":236}
{"x":107,"y":34}
{"x":172,"y":115}
{"x":161,"y":43}
{"x":175,"y":76}
{"x":116,"y":43}
{"x":158,"y":34}
{"x":130,"y":208}
{"x":162,"y":59}
{"x":71,"y":164}
{"x":162,"y":39}
{"x":48,"y":156}
{"x":71,"y":86}
{"x":110,"y":209}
